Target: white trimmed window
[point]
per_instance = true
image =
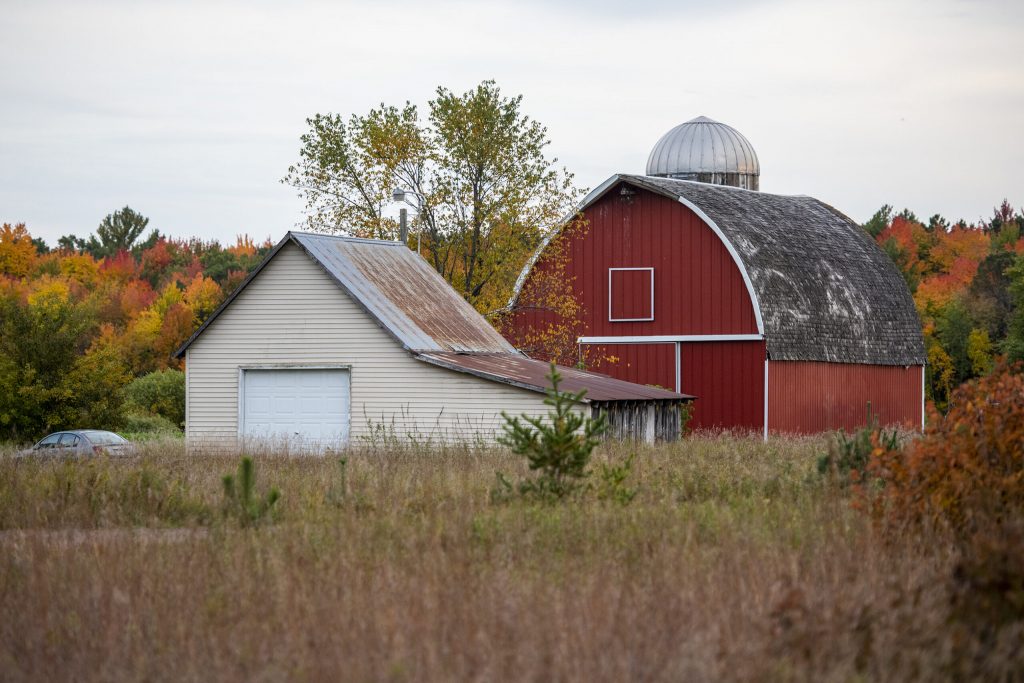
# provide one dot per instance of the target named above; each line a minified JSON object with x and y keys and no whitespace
{"x":630,"y":294}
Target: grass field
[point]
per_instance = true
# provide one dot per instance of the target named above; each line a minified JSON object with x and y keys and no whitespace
{"x":734,"y":561}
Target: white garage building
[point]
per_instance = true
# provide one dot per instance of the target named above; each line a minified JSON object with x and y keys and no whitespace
{"x":335,"y":339}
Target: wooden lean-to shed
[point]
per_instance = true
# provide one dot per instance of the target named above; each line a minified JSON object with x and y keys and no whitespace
{"x":779,"y":312}
{"x":331,"y":340}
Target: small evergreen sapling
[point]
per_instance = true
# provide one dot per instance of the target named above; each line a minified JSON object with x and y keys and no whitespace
{"x":558,"y":445}
{"x":240,"y":498}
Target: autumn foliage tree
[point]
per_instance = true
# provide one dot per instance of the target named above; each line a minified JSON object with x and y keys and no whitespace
{"x":17,"y":252}
{"x":76,"y":327}
{"x":55,"y":372}
{"x":487,"y":192}
{"x":548,"y":300}
{"x":963,"y":281}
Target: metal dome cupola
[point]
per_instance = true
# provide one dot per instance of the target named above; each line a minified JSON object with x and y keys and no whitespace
{"x":706,"y":151}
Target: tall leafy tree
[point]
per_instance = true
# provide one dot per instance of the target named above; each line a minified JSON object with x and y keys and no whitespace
{"x":17,"y":250}
{"x":56,"y":374}
{"x":487,"y":190}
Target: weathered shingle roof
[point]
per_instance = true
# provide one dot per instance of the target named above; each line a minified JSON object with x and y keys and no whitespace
{"x":532,"y":374}
{"x":823,"y":290}
{"x":401,"y":292}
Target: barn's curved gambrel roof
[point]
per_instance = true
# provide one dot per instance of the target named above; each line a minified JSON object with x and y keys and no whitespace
{"x":822,"y":289}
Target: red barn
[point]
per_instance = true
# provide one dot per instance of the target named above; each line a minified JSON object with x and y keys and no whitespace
{"x":779,"y":313}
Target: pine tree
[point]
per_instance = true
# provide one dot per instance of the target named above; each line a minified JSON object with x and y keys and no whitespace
{"x":120,"y":230}
{"x":558,"y":445}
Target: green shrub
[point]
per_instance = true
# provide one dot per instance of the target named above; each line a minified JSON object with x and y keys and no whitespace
{"x":685,"y":417}
{"x":557,"y":446}
{"x":159,"y":393}
{"x":149,"y":425}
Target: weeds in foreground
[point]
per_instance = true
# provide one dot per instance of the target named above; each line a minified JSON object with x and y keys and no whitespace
{"x":848,"y":456}
{"x":241,"y":501}
{"x":613,"y":482}
{"x":731,"y":562}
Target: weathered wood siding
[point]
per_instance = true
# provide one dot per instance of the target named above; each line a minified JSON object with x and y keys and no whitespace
{"x":641,"y":420}
{"x":293,"y":313}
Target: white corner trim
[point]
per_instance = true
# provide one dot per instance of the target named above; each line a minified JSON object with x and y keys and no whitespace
{"x":188,"y":391}
{"x":679,"y":368}
{"x":766,"y":398}
{"x":669,"y":338}
{"x":650,"y":271}
{"x":735,"y":257}
{"x":922,"y":399}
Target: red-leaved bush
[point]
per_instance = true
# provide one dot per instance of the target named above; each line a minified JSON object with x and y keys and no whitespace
{"x":966,"y":471}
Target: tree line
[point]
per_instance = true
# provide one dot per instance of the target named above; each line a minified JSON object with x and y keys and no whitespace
{"x":968,"y":286}
{"x":80,"y":321}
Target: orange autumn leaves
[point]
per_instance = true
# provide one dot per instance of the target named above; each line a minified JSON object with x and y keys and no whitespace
{"x":961,"y":277}
{"x":145,"y":304}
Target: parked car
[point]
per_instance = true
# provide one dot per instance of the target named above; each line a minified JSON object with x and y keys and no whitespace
{"x":80,"y":443}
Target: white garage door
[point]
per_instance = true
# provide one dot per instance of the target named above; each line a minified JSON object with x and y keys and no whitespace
{"x":304,"y":408}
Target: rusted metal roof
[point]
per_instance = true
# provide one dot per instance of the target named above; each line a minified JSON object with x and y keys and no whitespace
{"x":520,"y":371}
{"x":396,"y":287}
{"x":407,"y":297}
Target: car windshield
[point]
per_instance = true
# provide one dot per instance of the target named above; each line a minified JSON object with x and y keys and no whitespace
{"x":104,"y":438}
{"x":49,"y":442}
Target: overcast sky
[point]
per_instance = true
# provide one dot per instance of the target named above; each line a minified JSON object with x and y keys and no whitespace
{"x":191,"y":112}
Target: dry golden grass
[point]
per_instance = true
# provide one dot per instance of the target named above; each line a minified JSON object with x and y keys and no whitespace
{"x":734,"y":562}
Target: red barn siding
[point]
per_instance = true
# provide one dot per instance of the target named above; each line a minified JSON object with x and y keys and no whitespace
{"x":698,"y":289}
{"x":653,"y":364}
{"x":728,"y":380}
{"x":808,"y":397}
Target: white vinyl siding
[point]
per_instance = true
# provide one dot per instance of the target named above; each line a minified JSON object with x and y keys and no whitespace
{"x":292,"y":314}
